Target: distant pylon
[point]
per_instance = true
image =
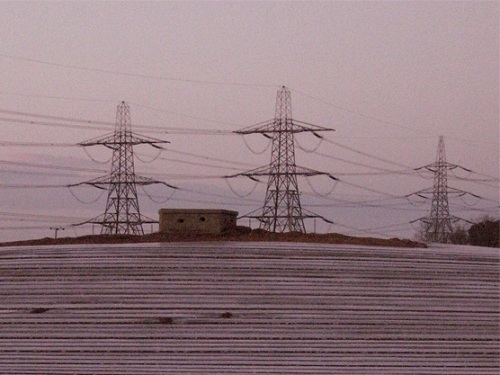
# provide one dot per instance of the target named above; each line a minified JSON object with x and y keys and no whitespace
{"x":282,"y":210}
{"x":122,"y":214}
{"x":437,"y":227}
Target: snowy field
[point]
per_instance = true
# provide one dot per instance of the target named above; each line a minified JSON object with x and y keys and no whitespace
{"x":248,"y":308}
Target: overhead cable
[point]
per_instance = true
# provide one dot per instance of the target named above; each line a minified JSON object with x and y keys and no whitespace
{"x":136,"y":75}
{"x":367,"y":154}
{"x":391,"y":123}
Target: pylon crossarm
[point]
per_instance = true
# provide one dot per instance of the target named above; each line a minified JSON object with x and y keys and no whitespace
{"x":261,"y":127}
{"x":450,"y":190}
{"x":308,"y":172}
{"x":104,"y":182}
{"x":312,"y":215}
{"x":250,"y":176}
{"x":251,"y":215}
{"x":83,"y":223}
{"x":98,"y":182}
{"x":308,"y":127}
{"x":429,"y":220}
{"x":300,"y":217}
{"x":100,"y":220}
{"x":269,"y":127}
{"x":97,"y":141}
{"x":95,"y":220}
{"x":306,"y":214}
{"x":141,"y":180}
{"x":142,"y":139}
{"x":436,"y":166}
{"x":107,"y":180}
{"x":268,"y":171}
{"x":109,"y":140}
{"x":260,"y":171}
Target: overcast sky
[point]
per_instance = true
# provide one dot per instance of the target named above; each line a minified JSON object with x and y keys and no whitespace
{"x":389,"y":77}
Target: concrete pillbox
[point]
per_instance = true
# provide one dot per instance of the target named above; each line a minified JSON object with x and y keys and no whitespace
{"x":196,"y":220}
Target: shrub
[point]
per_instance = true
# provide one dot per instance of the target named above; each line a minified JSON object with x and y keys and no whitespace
{"x":485,"y":233}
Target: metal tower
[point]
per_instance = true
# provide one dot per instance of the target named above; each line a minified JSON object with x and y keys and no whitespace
{"x":122,"y":214}
{"x":282,"y":211}
{"x":437,"y":227}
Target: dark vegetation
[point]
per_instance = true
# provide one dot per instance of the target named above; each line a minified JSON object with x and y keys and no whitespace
{"x":486,"y":232}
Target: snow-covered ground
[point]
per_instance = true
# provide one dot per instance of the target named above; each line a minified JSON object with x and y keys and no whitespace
{"x":246,"y":308}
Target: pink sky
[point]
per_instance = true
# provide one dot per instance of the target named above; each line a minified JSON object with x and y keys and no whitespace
{"x":390,"y":77}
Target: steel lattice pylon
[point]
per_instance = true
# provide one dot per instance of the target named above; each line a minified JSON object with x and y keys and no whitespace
{"x":438,"y":225}
{"x":282,"y":210}
{"x":122,"y":214}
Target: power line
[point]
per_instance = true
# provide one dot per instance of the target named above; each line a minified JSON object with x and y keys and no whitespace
{"x":31,"y":186}
{"x":29,"y":119}
{"x":198,"y":156}
{"x":180,"y":176}
{"x":136,"y":75}
{"x":218,"y":161}
{"x":357,"y":113}
{"x":16,"y":216}
{"x":24,"y":227}
{"x":48,"y":166}
{"x":367,"y":154}
{"x":369,"y":189}
{"x":228,"y":200}
{"x":205,"y":193}
{"x":184,"y":115}
{"x":38,"y":173}
{"x":386,"y":122}
{"x":382,"y":170}
{"x":35,"y":144}
{"x":55,"y":118}
{"x":50,"y":124}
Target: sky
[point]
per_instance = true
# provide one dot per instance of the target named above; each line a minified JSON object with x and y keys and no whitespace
{"x":389,"y":77}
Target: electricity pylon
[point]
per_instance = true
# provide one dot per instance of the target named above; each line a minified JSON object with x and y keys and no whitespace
{"x":122,"y":214}
{"x":282,"y":211}
{"x":438,"y":225}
